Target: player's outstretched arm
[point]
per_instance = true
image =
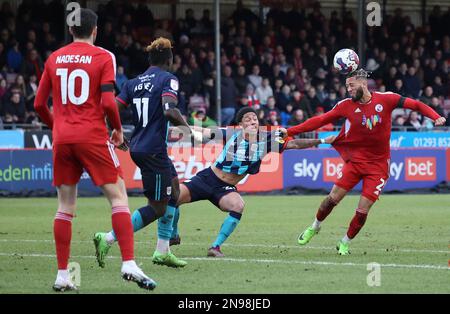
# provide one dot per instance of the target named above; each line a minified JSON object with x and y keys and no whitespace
{"x":416,"y":105}
{"x":315,"y":122}
{"x":173,"y":114}
{"x":306,"y":143}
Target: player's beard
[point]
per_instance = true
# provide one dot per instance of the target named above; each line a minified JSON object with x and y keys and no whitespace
{"x":359,"y":94}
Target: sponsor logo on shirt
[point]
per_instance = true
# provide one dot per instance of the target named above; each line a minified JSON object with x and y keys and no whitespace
{"x":371,"y":122}
{"x":174,"y":84}
{"x":379,"y":108}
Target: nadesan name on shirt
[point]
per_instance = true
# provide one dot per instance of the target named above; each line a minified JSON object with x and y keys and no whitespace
{"x":74,"y":59}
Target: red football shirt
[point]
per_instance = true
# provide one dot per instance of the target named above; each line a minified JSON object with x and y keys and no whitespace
{"x":75,"y":74}
{"x":367,"y":130}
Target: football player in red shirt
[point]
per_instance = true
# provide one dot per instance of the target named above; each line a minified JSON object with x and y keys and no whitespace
{"x":363,"y":144}
{"x":81,"y":78}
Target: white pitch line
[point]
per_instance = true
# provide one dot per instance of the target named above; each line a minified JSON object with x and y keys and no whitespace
{"x":270,"y":246}
{"x":250,"y":260}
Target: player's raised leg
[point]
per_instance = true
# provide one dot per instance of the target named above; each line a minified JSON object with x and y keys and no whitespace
{"x":62,"y":232}
{"x":336,"y":195}
{"x":234,"y":205}
{"x":121,"y":222}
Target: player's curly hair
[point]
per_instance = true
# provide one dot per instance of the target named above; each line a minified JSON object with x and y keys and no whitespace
{"x":159,"y":51}
{"x":360,"y":73}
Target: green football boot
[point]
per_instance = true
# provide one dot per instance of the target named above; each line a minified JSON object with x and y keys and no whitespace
{"x":342,"y":248}
{"x":101,"y":248}
{"x":306,"y":235}
{"x":167,"y":259}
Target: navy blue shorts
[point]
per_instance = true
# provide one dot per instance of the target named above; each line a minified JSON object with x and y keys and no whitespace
{"x":205,"y":185}
{"x":157,"y":181}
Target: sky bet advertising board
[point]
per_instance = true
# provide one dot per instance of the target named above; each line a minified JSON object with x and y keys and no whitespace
{"x":409,"y":168}
{"x":26,"y":170}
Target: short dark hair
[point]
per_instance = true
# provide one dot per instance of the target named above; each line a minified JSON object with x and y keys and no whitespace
{"x":242,"y":112}
{"x":88,"y":21}
{"x":159,"y":51}
{"x":361,"y":73}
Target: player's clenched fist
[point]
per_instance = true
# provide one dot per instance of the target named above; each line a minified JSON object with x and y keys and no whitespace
{"x":440,"y":121}
{"x":117,"y":137}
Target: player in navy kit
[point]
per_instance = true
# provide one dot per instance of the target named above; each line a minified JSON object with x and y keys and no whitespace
{"x":153,"y":97}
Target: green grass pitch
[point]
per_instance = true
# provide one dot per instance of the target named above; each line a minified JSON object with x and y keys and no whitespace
{"x":408,"y":235}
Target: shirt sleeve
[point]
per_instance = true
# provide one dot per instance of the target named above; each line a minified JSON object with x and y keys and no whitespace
{"x":170,"y":87}
{"x":123,"y":96}
{"x":109,"y":70}
{"x":392,"y":100}
{"x":40,"y":102}
{"x":318,"y":121}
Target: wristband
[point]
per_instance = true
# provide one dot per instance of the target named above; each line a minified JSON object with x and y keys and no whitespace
{"x":322,"y":141}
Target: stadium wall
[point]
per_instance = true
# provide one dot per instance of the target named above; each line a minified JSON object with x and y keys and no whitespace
{"x":29,"y":172}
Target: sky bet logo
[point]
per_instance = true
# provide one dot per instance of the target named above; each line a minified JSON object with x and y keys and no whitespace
{"x":411,"y":169}
{"x":420,"y":169}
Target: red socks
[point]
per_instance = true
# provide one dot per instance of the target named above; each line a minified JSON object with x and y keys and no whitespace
{"x":123,"y":229}
{"x":356,"y":224}
{"x":62,"y":231}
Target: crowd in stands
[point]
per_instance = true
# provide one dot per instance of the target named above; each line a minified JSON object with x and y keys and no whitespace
{"x":282,"y":67}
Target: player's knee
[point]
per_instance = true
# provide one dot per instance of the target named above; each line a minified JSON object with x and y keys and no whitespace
{"x":237,"y":206}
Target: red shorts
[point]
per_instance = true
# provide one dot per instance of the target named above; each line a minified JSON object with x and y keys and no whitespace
{"x":99,"y":160}
{"x":374,"y":176}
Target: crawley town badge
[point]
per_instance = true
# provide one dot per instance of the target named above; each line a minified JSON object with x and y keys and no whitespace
{"x":379,"y":108}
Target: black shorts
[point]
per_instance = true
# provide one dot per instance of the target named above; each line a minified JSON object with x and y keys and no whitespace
{"x":157,"y":181}
{"x":205,"y":185}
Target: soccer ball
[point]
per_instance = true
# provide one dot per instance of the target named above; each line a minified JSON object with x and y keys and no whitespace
{"x":346,"y":61}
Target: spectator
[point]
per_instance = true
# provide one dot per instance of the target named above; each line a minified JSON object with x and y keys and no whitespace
{"x":330,"y":101}
{"x":264,"y":91}
{"x":286,"y":115}
{"x":274,"y":119}
{"x":413,"y":122}
{"x":261,"y":117}
{"x":439,"y":88}
{"x":436,"y":105}
{"x":229,"y":95}
{"x":322,"y":95}
{"x":250,"y":98}
{"x":254,"y":78}
{"x":412,"y":83}
{"x":297,"y":118}
{"x":313,"y":99}
{"x":199,"y":118}
{"x":3,"y":60}
{"x":276,"y":73}
{"x":30,"y":92}
{"x":14,"y":109}
{"x":283,"y":98}
{"x":3,"y":88}
{"x":121,"y":78}
{"x":398,"y":87}
{"x":398,"y":123}
{"x":241,"y":80}
{"x":300,"y":101}
{"x":14,"y":57}
{"x":427,"y":95}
